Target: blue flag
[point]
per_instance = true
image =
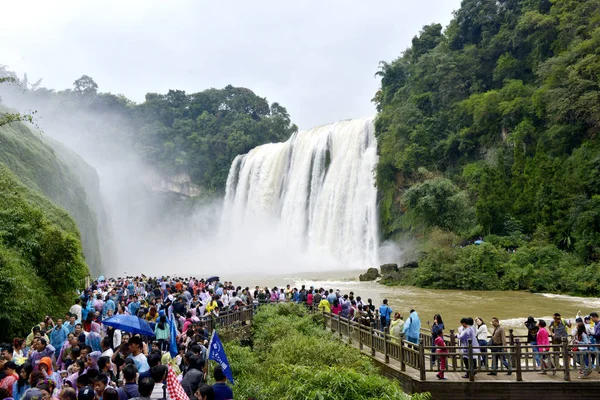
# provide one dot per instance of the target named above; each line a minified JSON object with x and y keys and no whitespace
{"x":173,"y":341}
{"x":217,"y":352}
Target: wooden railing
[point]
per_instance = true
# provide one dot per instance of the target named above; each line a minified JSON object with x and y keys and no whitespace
{"x":520,"y":356}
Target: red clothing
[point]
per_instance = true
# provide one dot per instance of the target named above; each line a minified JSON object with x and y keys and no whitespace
{"x":440,"y":344}
{"x":309,"y":299}
{"x":442,"y":351}
{"x":336,"y":310}
{"x":542,"y":339}
{"x":8,"y":382}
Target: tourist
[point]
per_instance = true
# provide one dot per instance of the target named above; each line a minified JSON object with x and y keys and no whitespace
{"x":346,"y":305}
{"x":100,"y":384}
{"x":162,"y":332}
{"x":543,"y":342}
{"x":482,"y":338}
{"x":441,"y":350}
{"x":466,"y":337}
{"x":194,"y":377}
{"x":412,"y":327}
{"x":22,"y":384}
{"x":67,"y":393}
{"x":336,"y":308}
{"x":498,"y":342}
{"x":385,"y":315}
{"x":221,"y":389}
{"x":371,"y":305}
{"x":110,"y":393}
{"x":146,"y":386}
{"x":18,"y":351}
{"x":558,"y":328}
{"x":58,"y":334}
{"x":130,"y":388}
{"x":396,"y":326}
{"x":205,"y":392}
{"x":136,"y":346}
{"x":11,"y":378}
{"x":40,"y":349}
{"x":532,"y":330}
{"x":324,"y":305}
{"x":76,"y":309}
{"x":580,"y":339}
{"x":438,"y":325}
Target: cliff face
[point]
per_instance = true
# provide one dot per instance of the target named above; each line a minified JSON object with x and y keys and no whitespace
{"x":180,"y":184}
{"x":53,"y":171}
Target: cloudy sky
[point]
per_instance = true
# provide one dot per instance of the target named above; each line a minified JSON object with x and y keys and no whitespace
{"x":317,"y":58}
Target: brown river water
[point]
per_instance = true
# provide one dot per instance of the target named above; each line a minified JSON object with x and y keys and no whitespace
{"x":512,"y":308}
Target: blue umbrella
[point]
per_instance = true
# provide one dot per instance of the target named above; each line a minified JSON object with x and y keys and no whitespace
{"x":129,"y":323}
{"x":101,"y":278}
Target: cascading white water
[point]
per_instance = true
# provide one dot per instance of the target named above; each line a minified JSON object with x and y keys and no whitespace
{"x":319,"y":187}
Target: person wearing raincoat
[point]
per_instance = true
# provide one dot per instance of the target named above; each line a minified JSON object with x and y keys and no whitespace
{"x":412,"y":327}
{"x":93,"y":339}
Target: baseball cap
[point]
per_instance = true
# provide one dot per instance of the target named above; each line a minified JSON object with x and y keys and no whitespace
{"x":32,"y":394}
{"x":87,"y":393}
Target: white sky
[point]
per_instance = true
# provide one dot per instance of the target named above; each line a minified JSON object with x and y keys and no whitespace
{"x":317,"y":58}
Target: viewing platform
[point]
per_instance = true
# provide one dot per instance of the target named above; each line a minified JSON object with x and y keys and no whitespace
{"x":411,"y":364}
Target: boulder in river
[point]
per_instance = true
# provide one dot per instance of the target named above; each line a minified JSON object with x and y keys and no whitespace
{"x":388,"y":268}
{"x":391,"y":278}
{"x":370,"y":275}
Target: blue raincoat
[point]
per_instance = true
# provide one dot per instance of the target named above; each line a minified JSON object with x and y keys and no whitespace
{"x":412,"y":328}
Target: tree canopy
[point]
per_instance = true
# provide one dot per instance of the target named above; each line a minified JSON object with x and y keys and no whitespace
{"x":195,"y":133}
{"x":503,"y":106}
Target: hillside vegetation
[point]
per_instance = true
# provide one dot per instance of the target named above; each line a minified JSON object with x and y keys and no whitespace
{"x":307,"y":361}
{"x":41,"y":259}
{"x":489,"y":129}
{"x":56,"y":175}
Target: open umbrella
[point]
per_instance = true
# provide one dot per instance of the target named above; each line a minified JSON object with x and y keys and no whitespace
{"x":101,"y":278}
{"x":129,"y":323}
{"x":212,"y":278}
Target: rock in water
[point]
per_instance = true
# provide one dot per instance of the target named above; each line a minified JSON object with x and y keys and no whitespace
{"x":413,"y":264}
{"x":370,"y":275}
{"x":391,"y":278}
{"x":388,"y":268}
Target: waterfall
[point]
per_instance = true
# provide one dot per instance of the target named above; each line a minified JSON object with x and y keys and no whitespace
{"x":318,"y":187}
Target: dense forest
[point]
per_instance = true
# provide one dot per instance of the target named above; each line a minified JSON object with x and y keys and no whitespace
{"x":197,"y":134}
{"x":489,"y":130}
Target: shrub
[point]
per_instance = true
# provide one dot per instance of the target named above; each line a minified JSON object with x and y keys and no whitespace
{"x":295,"y":358}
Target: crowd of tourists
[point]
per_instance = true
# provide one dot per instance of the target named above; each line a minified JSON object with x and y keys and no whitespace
{"x":78,"y":357}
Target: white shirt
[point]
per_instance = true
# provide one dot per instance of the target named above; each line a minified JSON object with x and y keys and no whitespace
{"x":76,"y":309}
{"x":107,"y":353}
{"x":117,"y":338}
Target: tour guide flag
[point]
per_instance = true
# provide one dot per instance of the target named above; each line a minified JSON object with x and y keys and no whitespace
{"x":173,"y":334}
{"x":217,"y":352}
